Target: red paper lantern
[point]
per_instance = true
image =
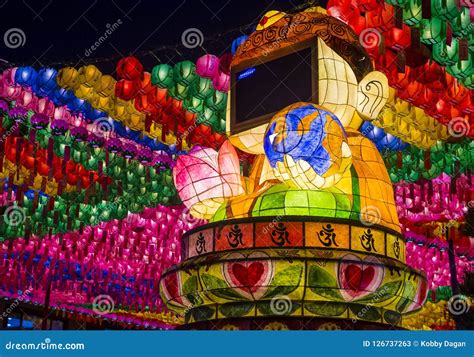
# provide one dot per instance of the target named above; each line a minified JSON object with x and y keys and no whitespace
{"x":126,"y":89}
{"x":411,"y":92}
{"x":464,"y":246}
{"x":427,"y":99}
{"x":368,"y":5}
{"x":429,"y":72}
{"x":144,"y":85}
{"x":224,"y":63}
{"x":129,"y":68}
{"x":358,"y":24}
{"x":381,"y":19}
{"x":467,"y":104}
{"x":345,"y":10}
{"x":455,"y":92}
{"x":398,"y":39}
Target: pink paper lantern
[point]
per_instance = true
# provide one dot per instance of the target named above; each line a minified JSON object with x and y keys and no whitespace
{"x":207,"y":66}
{"x":221,"y":82}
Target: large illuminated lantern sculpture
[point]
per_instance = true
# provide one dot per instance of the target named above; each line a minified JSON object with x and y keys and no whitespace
{"x":310,"y":239}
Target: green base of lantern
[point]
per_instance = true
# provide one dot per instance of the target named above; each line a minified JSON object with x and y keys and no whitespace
{"x":293,"y":270}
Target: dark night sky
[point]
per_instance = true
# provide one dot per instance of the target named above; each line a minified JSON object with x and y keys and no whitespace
{"x":58,"y":32}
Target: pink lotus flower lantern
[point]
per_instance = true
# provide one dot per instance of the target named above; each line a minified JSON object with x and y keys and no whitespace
{"x":205,"y":179}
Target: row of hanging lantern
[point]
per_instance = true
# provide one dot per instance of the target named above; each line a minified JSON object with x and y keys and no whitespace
{"x":68,"y":129}
{"x":89,"y":84}
{"x":440,"y":199}
{"x":423,"y":83}
{"x":20,"y":85}
{"x":58,"y":169}
{"x":413,"y":164}
{"x":382,"y":139}
{"x":410,"y":123}
{"x":431,"y":257}
{"x":184,"y":98}
{"x":57,"y":148}
{"x":124,"y":257}
{"x":72,"y":211}
{"x":448,"y":29}
{"x":433,"y":316}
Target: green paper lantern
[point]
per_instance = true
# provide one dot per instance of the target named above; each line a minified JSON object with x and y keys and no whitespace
{"x":446,"y":55}
{"x":468,"y":82}
{"x":207,"y":117}
{"x":461,"y":25}
{"x":412,"y":12}
{"x":400,"y":3}
{"x":217,"y":101}
{"x":194,"y":104}
{"x":179,"y":91}
{"x":162,"y":76}
{"x":433,"y":31}
{"x":444,"y":9}
{"x":462,"y":69}
{"x":202,"y":88}
{"x":185,"y":73}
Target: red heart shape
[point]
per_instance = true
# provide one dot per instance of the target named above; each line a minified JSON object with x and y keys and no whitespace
{"x":249,"y":275}
{"x":171,"y":285}
{"x":250,"y":278}
{"x":359,"y":279}
{"x":422,"y":292}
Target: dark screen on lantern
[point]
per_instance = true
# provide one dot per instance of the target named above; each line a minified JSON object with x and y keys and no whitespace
{"x":271,"y":86}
